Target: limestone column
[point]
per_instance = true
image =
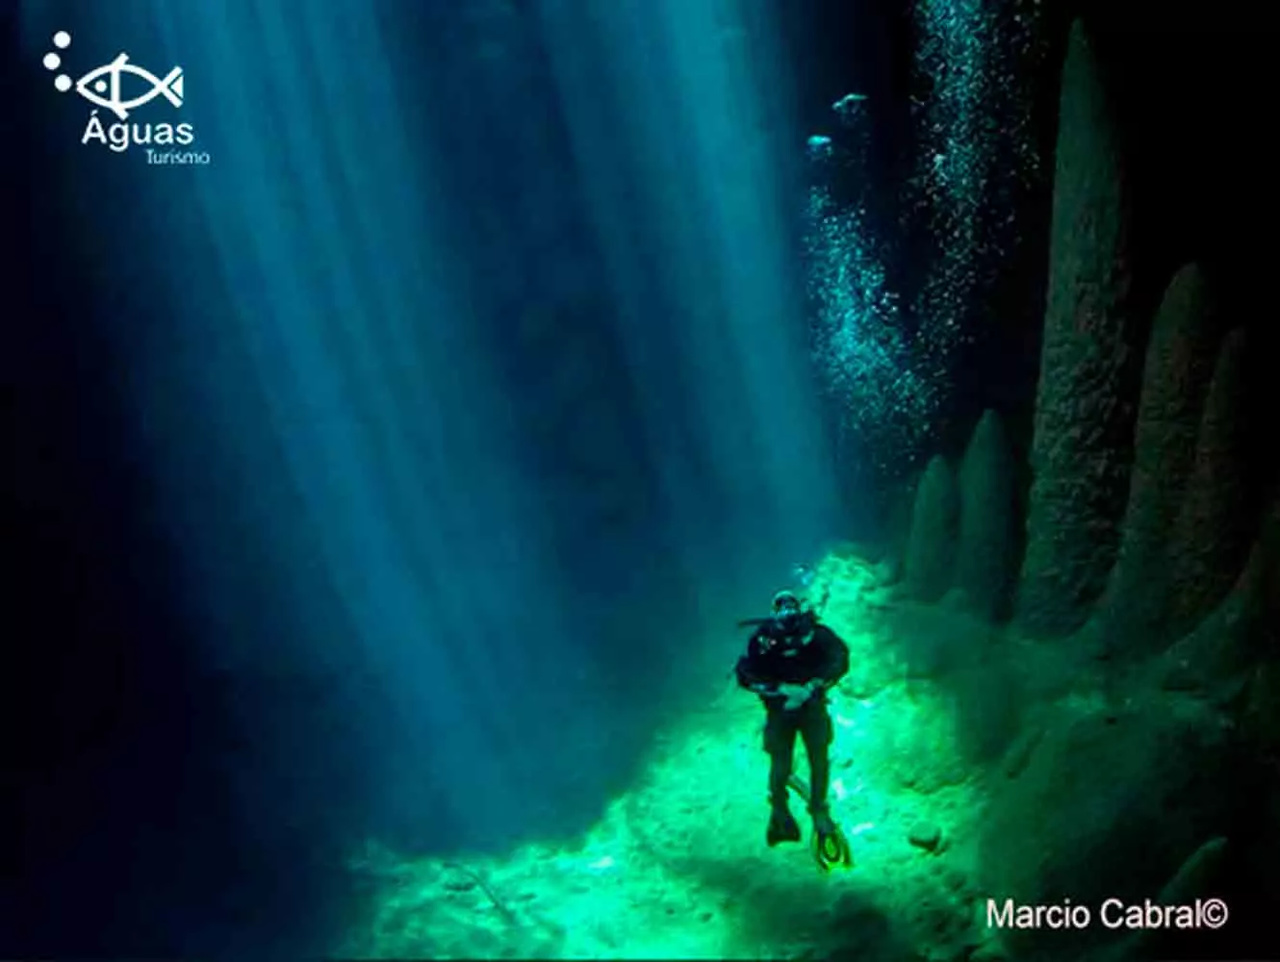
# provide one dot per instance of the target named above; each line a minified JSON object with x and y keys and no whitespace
{"x":1081,"y":449}
{"x":1217,"y":520}
{"x":984,"y":557}
{"x":1179,"y":365}
{"x":931,"y":543}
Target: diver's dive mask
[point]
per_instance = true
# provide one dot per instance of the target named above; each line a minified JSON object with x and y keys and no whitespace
{"x":787,"y":611}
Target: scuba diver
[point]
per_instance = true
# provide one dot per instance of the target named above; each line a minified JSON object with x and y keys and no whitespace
{"x":792,"y":659}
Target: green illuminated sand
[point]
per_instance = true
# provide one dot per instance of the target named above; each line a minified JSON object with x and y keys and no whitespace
{"x":641,"y":888}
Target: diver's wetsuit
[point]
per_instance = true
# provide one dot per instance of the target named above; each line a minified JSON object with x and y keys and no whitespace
{"x":775,"y":657}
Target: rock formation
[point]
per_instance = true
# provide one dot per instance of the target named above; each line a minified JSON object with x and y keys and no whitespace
{"x":1145,"y":531}
{"x":1084,"y":419}
{"x":930,"y":543}
{"x":1210,"y":539}
{"x":1108,"y":806}
{"x":985,"y":555}
{"x":1176,"y":376}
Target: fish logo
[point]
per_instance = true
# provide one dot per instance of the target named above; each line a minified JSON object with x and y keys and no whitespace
{"x":101,"y":86}
{"x":170,"y":87}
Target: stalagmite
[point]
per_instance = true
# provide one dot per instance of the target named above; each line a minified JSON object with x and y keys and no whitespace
{"x":1176,"y":375}
{"x":1210,"y":540}
{"x":930,"y":545}
{"x":1085,"y":406}
{"x":984,"y":558}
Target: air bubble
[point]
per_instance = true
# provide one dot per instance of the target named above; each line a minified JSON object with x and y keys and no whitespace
{"x":62,"y":40}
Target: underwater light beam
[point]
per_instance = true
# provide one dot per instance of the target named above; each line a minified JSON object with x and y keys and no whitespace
{"x":336,"y":343}
{"x":382,"y":399}
{"x":677,"y":114}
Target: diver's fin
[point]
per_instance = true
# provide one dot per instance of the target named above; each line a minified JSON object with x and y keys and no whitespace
{"x":830,"y":846}
{"x":831,"y":849}
{"x":782,"y":828}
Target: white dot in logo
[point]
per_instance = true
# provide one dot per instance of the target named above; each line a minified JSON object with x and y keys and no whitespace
{"x":100,"y":86}
{"x":62,"y":40}
{"x":52,"y":61}
{"x":62,"y":82}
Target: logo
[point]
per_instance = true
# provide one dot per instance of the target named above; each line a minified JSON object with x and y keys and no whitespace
{"x":104,"y":87}
{"x":170,"y":86}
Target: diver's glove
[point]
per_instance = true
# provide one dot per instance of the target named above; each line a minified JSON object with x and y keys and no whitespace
{"x":796,"y":695}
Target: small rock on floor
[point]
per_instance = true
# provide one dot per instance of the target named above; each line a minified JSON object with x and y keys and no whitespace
{"x":925,"y":835}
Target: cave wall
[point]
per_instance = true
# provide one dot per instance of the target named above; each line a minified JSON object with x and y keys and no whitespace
{"x":1145,"y":768}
